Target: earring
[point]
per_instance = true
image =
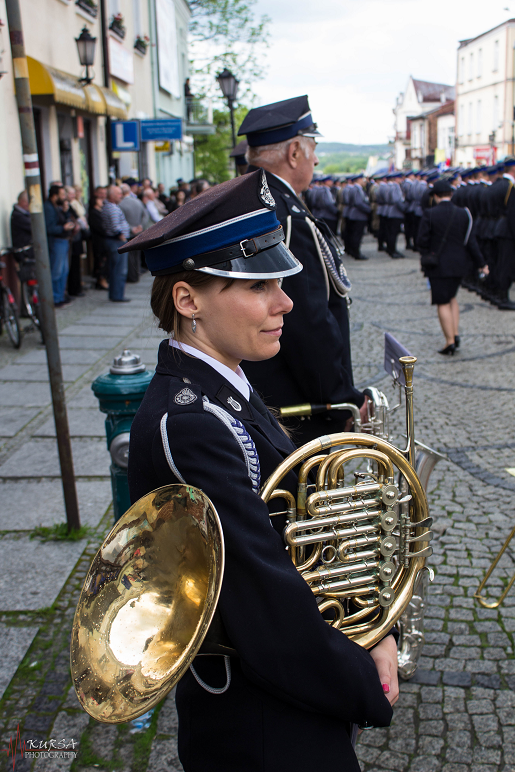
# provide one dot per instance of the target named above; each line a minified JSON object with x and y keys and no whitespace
{"x":193,"y":323}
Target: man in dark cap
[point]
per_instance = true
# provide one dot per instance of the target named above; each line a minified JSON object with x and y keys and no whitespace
{"x":314,"y":364}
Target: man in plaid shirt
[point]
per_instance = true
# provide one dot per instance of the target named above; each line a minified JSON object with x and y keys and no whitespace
{"x":118,"y":231}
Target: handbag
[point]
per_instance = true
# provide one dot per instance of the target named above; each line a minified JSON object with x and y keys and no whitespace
{"x":432,"y":259}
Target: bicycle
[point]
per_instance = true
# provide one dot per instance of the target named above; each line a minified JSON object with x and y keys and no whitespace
{"x":8,"y":309}
{"x":29,"y":287}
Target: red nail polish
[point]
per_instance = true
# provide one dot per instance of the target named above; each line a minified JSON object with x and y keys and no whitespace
{"x":386,"y":688}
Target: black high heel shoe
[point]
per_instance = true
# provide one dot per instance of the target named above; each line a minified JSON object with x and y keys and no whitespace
{"x":457,"y":342}
{"x":450,"y":349}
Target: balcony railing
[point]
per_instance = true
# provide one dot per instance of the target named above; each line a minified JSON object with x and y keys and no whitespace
{"x":199,"y":116}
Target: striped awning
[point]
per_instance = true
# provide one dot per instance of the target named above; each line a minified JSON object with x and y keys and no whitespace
{"x":60,"y":87}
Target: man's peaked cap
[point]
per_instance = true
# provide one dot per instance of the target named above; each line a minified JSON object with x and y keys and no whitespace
{"x":278,"y":122}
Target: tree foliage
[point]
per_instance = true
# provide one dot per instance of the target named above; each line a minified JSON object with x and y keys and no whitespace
{"x":212,"y":160}
{"x":226,"y":33}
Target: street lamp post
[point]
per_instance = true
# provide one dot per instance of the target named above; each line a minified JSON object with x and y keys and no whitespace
{"x":86,"y":45}
{"x":229,"y":88}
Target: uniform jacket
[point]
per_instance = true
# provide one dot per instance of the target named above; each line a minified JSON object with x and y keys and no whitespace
{"x":382,"y":199}
{"x":501,"y":195}
{"x":419,"y":188}
{"x":359,"y":205}
{"x":396,"y":205}
{"x":323,"y":203}
{"x":297,"y":681}
{"x":314,"y":363}
{"x":460,"y":247}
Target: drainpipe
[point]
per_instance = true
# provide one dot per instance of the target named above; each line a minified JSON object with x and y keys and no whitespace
{"x":107,"y":80}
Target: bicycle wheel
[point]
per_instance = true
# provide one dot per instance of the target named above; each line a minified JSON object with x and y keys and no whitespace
{"x":10,"y":318}
{"x":31,"y":302}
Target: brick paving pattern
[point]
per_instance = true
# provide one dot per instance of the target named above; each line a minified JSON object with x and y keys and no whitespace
{"x":458,"y":713}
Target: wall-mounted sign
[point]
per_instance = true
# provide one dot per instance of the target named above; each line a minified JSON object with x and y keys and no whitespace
{"x":161,"y":129}
{"x":167,"y":48}
{"x":121,"y":61}
{"x":125,"y":135}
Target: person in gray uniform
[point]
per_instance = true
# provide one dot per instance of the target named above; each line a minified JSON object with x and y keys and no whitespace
{"x":358,"y":212}
{"x":382,"y":205}
{"x":395,"y":209}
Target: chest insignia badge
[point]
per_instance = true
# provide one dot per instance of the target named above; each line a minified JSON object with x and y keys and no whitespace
{"x":185,"y":397}
{"x":264,"y":193}
{"x":232,"y":402}
{"x":295,"y":208}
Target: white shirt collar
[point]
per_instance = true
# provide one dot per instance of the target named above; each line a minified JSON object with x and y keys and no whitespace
{"x":236,"y":378}
{"x":509,"y":177}
{"x":285,"y":183}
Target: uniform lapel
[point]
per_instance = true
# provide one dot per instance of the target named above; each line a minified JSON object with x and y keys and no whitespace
{"x":219,"y":391}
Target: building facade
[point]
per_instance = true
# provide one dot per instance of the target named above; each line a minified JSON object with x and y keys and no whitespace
{"x":485,"y":96}
{"x":419,"y":98}
{"x":140,"y":67}
{"x":432,"y":137}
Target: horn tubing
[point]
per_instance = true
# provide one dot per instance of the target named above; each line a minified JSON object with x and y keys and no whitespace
{"x":408,"y":363}
{"x":368,"y":637}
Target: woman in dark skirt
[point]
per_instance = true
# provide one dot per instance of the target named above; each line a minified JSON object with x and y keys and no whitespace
{"x":446,"y":233}
{"x":295,"y":690}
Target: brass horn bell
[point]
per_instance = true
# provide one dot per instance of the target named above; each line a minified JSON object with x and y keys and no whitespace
{"x":147,"y":603}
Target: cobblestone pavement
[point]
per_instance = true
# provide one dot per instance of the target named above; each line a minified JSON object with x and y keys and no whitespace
{"x":458,"y":713}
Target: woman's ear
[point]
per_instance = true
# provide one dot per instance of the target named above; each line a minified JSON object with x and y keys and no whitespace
{"x":184,"y":300}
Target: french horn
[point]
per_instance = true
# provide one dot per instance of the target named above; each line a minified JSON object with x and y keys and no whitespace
{"x":151,"y":592}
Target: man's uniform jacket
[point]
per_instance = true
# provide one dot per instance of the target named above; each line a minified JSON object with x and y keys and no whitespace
{"x":297,"y":683}
{"x":314,"y":363}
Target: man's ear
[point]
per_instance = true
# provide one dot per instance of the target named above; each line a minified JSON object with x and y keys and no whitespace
{"x":294,"y":151}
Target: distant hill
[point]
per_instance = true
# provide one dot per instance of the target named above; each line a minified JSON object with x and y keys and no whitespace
{"x":323,"y":148}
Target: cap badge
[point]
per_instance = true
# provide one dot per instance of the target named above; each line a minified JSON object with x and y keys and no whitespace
{"x":232,"y":402}
{"x":185,"y":397}
{"x":264,"y":193}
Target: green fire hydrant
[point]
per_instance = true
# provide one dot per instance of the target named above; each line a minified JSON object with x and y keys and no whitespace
{"x":119,"y":393}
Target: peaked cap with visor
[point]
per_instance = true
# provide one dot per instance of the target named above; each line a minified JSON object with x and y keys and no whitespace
{"x":278,"y":122}
{"x":230,"y":230}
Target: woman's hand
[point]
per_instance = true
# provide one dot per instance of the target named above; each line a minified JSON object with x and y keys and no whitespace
{"x":385,"y":658}
{"x":485,"y":270}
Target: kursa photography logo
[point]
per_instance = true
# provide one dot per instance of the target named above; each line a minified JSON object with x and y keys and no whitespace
{"x":39,"y":749}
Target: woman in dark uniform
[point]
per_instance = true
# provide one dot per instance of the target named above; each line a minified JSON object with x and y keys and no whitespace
{"x":295,"y":690}
{"x":446,"y":231}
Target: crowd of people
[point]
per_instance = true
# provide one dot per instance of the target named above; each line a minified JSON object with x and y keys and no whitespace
{"x":390,"y":203}
{"x":115,"y":214}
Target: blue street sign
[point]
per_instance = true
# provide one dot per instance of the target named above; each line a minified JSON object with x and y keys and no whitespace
{"x":125,"y":135}
{"x":161,"y":129}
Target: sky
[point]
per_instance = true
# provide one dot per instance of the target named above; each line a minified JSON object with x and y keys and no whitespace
{"x":353,"y":57}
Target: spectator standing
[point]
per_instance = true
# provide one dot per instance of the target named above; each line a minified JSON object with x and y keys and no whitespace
{"x":166,"y":200}
{"x":81,"y":232}
{"x":21,"y":229}
{"x":117,"y":231}
{"x":59,"y":227}
{"x":138,"y":218}
{"x":98,"y":234}
{"x":148,"y":199}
